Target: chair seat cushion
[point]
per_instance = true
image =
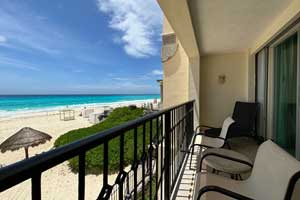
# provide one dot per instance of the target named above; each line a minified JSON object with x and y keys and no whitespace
{"x":208,"y":179}
{"x":233,"y":131}
{"x":209,"y":141}
{"x":226,"y":165}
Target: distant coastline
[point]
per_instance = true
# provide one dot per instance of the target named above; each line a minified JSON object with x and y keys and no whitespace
{"x":19,"y":105}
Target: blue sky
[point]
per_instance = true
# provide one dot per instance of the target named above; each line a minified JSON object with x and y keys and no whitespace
{"x":79,"y":46}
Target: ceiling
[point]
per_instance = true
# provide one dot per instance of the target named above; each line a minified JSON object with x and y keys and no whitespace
{"x":225,"y":26}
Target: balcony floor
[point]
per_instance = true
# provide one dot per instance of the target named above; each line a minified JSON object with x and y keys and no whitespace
{"x":187,"y":187}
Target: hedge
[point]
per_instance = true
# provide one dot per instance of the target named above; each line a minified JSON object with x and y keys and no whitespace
{"x":94,"y":157}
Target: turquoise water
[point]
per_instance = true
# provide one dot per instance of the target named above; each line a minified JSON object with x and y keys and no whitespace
{"x":13,"y":104}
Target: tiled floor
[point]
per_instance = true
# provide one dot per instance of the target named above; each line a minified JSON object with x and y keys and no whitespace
{"x":187,"y":183}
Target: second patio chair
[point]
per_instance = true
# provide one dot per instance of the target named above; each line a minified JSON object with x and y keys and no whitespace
{"x":211,"y":142}
{"x":244,"y":115}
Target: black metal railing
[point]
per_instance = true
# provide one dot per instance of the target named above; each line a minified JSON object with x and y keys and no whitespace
{"x":153,"y":172}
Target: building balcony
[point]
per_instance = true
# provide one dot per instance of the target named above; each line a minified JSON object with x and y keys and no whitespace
{"x":163,"y":167}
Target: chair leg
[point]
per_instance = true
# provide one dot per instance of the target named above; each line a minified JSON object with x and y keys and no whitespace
{"x":232,"y":176}
{"x":192,"y":149}
{"x":192,"y":153}
{"x":229,"y":147}
{"x":240,"y":177}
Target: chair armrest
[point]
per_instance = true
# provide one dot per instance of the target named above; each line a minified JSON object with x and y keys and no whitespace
{"x":212,"y":188}
{"x":198,"y":127}
{"x":201,"y":133}
{"x":225,"y":157}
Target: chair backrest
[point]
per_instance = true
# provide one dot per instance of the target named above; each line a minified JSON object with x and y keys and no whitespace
{"x":244,"y":115}
{"x":226,"y":124}
{"x":272,"y":171}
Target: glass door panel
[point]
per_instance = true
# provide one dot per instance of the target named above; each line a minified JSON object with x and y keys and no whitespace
{"x":261,"y":92}
{"x":285,"y":93}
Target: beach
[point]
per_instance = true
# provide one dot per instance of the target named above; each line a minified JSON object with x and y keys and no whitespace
{"x":58,"y":182}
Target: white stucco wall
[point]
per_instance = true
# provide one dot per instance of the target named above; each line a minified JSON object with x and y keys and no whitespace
{"x":217,"y":100}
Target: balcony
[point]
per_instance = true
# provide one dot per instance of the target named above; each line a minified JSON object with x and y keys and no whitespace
{"x":164,"y":169}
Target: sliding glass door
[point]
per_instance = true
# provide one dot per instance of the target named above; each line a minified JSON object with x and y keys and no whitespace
{"x":262,"y":91}
{"x":285,"y":93}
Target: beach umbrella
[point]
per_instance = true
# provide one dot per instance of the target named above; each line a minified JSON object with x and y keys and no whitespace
{"x":24,"y":138}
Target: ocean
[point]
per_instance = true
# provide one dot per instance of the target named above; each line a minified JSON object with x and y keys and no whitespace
{"x":16,"y":104}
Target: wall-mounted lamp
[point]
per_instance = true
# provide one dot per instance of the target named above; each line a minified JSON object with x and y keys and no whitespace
{"x":222,"y":79}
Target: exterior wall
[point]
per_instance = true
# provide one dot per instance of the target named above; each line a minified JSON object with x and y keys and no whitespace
{"x":251,"y":77}
{"x":217,"y":100}
{"x":176,"y":78}
{"x":176,"y":74}
{"x":186,"y":61}
{"x":181,"y":80}
{"x":167,"y":28}
{"x":194,"y":86}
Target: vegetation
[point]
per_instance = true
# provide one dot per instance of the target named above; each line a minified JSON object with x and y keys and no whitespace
{"x":94,"y":157}
{"x":147,"y":189}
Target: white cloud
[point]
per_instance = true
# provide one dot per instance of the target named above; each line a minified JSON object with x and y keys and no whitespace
{"x":120,"y":79}
{"x":2,"y":39}
{"x":139,"y":22}
{"x":26,"y":30}
{"x":157,"y":72}
{"x":13,"y":63}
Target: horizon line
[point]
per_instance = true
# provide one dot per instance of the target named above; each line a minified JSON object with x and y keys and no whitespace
{"x":77,"y":94}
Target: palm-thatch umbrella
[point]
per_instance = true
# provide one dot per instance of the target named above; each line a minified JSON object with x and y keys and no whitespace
{"x":24,"y":138}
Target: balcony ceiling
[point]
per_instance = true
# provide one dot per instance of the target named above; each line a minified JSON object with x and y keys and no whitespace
{"x":224,"y":26}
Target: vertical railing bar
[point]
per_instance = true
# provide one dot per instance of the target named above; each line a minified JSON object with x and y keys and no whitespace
{"x":177,"y":137}
{"x":36,"y":186}
{"x":167,"y":159}
{"x":150,"y":160}
{"x":143,"y":161}
{"x":135,"y":162}
{"x":171,"y":143}
{"x":121,"y":164}
{"x":174,"y":145}
{"x":161,"y":157}
{"x":156,"y":151}
{"x":81,"y":176}
{"x":105,"y":164}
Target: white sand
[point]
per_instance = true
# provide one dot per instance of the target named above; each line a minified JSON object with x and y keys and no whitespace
{"x":58,"y":182}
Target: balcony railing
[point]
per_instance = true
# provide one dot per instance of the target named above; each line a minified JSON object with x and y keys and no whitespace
{"x":159,"y":163}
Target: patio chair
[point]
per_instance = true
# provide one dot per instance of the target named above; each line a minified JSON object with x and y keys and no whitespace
{"x":275,"y":176}
{"x":244,"y":115}
{"x":211,"y":142}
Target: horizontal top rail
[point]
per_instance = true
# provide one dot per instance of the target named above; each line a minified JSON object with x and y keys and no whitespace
{"x":21,"y":171}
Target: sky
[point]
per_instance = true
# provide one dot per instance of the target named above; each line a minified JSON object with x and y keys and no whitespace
{"x":80,"y":46}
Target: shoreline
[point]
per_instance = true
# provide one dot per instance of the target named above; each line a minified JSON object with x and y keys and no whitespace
{"x":55,"y":110}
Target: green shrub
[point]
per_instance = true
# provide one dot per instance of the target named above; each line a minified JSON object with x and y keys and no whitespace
{"x":94,"y":157}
